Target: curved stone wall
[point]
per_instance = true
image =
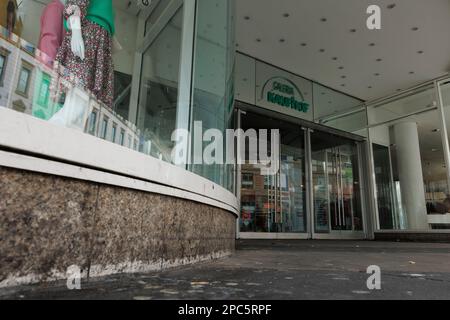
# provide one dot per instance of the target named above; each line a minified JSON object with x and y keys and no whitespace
{"x":48,"y":223}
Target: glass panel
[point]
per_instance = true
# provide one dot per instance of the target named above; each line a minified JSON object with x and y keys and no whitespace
{"x":159,"y":91}
{"x":331,"y":103}
{"x":245,"y":79}
{"x":355,"y":122}
{"x":22,"y":85}
{"x":390,"y":215}
{"x":275,"y":203}
{"x":336,"y":185}
{"x":420,"y":188}
{"x":214,"y":81}
{"x":406,"y":104}
{"x":292,"y":217}
{"x":259,"y":205}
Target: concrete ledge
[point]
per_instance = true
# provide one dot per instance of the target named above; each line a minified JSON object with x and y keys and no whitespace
{"x":49,"y":223}
{"x":434,"y":236}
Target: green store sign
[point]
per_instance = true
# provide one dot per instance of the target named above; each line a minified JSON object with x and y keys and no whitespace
{"x":285,"y":93}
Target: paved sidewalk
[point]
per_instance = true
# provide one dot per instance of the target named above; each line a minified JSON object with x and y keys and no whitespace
{"x":280,"y":270}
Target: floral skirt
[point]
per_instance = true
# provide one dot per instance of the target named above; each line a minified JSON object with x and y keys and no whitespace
{"x":96,"y":71}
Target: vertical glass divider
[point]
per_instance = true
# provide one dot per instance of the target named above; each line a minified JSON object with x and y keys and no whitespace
{"x":186,"y":70}
{"x":444,"y":129}
{"x":309,"y":184}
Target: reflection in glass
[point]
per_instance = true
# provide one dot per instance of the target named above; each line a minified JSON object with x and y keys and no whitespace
{"x":213,"y":95}
{"x":336,"y":184}
{"x":159,"y":91}
{"x":400,"y":204}
{"x":275,"y":203}
{"x":420,"y":99}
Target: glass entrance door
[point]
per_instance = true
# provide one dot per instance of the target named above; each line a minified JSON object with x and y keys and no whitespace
{"x":335,"y":183}
{"x":275,"y":204}
{"x":315,"y":193}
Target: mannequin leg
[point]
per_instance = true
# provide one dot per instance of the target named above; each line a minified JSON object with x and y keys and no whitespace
{"x":75,"y":112}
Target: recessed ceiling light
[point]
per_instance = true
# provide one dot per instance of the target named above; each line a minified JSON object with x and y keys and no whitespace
{"x":282,"y":40}
{"x":379,"y":60}
{"x":372,"y":44}
{"x":323,"y":19}
{"x":303,"y":44}
{"x":391,"y":6}
{"x":343,"y":85}
{"x":247,"y":18}
{"x":369,"y":87}
{"x":436,"y":130}
{"x":352,"y":30}
{"x":322,"y":50}
{"x":420,"y":52}
{"x":376,"y":74}
{"x":341,"y":68}
{"x":286,"y":15}
{"x":415,"y":29}
{"x":411,"y":72}
{"x":334,"y":58}
{"x":343,"y":77}
{"x":258,"y":40}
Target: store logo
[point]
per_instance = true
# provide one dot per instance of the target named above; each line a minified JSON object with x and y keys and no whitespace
{"x":285,"y":93}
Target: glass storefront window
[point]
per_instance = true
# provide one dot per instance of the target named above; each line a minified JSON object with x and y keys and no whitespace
{"x":410,"y":172}
{"x":157,"y":110}
{"x":130,"y":93}
{"x":213,"y":96}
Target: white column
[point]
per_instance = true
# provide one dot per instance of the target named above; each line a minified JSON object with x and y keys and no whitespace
{"x":409,"y":166}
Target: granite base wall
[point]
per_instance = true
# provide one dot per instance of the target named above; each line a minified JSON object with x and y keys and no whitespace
{"x":48,"y":223}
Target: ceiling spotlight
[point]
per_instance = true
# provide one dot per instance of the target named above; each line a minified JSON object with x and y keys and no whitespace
{"x":436,"y":130}
{"x":391,"y":6}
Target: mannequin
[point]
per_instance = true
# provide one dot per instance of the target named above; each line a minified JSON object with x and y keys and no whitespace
{"x":86,"y":55}
{"x":52,"y":31}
